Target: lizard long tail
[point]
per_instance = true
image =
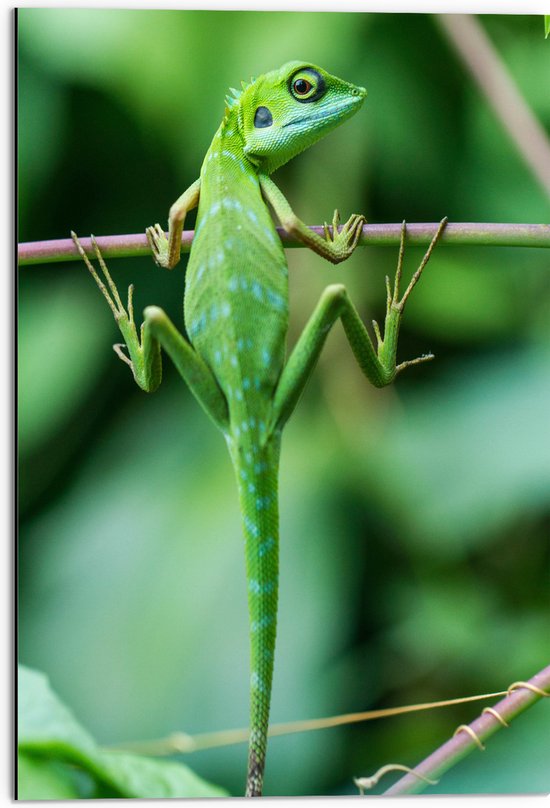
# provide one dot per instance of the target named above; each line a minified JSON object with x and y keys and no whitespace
{"x":259,"y":505}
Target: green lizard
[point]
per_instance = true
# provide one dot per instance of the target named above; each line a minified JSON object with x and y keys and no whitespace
{"x":236,"y":315}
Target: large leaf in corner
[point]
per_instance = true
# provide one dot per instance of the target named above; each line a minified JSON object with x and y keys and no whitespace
{"x":59,"y":759}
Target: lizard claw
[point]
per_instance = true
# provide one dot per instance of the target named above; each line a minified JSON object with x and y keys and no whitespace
{"x":158,"y":243}
{"x":354,"y":227}
{"x":124,"y":316}
{"x":345,"y":240}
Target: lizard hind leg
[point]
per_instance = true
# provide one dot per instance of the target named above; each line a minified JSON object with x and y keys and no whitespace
{"x":144,"y":348}
{"x":377,"y":359}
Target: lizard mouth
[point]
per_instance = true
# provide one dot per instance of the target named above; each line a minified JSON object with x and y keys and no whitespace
{"x":327,"y":113}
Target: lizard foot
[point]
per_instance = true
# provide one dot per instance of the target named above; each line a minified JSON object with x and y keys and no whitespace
{"x":124,"y":316}
{"x":159,"y":245}
{"x":396,"y":305}
{"x":386,"y":344}
{"x":344,"y":241}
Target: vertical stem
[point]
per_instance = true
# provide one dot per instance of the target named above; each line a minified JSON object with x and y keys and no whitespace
{"x":473,"y":45}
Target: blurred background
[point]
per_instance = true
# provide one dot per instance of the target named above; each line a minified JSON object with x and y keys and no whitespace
{"x":414,"y":520}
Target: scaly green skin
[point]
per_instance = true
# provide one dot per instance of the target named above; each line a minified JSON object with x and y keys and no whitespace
{"x":236,"y":313}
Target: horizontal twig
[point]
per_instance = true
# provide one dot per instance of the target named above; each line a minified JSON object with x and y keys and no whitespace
{"x":181,"y":742}
{"x":467,"y":738}
{"x":374,"y":235}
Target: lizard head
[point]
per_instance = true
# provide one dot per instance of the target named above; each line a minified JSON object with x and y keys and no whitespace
{"x":283,"y":112}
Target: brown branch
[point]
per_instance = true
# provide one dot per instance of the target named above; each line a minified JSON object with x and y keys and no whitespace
{"x":374,"y":235}
{"x":476,"y":50}
{"x":467,"y":738}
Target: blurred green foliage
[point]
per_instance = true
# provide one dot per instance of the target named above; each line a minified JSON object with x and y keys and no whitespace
{"x":414,"y":520}
{"x":59,"y":759}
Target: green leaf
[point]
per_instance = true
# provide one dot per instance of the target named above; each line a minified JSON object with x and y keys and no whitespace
{"x":546,"y":25}
{"x":138,"y":776}
{"x":43,"y":779}
{"x":45,"y":724}
{"x":50,"y":737}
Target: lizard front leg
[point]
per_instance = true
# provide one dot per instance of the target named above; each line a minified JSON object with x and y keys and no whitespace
{"x":167,"y":251}
{"x":378,"y":362}
{"x":144,"y":349}
{"x":335,"y":247}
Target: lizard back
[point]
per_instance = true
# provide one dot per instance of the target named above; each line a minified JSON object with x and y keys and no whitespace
{"x":236,"y":299}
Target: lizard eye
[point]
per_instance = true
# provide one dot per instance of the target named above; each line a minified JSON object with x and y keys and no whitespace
{"x":307,"y":85}
{"x":301,"y":87}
